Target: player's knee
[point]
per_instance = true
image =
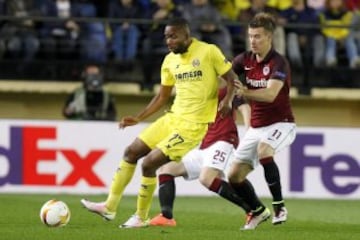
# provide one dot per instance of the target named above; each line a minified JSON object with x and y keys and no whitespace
{"x":232,"y":178}
{"x":148,"y":169}
{"x":130,"y":154}
{"x":264,"y":150}
{"x":134,"y":152}
{"x":207,"y":176}
{"x":173,"y":168}
{"x":233,"y":174}
{"x":205,"y":180}
{"x":236,"y":178}
{"x":239,"y":172}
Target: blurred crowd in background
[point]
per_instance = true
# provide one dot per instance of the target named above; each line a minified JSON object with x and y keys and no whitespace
{"x":54,"y":39}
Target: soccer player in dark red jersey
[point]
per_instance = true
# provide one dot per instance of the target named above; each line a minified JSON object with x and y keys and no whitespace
{"x":272,"y":125}
{"x":206,"y":163}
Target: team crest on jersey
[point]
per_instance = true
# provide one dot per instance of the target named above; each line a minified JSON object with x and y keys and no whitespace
{"x":266,"y":70}
{"x":196,"y":62}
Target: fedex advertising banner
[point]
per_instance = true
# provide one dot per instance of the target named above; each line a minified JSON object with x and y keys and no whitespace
{"x":81,"y":157}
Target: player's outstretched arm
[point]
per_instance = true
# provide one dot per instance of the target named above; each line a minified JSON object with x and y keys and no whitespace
{"x":158,"y":101}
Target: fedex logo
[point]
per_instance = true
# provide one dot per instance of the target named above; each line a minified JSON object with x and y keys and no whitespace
{"x":24,"y":154}
{"x":328,"y":170}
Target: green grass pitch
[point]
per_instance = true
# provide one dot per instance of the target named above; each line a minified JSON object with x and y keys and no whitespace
{"x":198,"y":218}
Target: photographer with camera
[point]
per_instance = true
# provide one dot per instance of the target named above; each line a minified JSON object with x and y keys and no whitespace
{"x":90,"y":101}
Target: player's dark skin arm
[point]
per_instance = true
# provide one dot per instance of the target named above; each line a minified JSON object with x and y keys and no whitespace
{"x":158,"y":101}
{"x":225,"y":105}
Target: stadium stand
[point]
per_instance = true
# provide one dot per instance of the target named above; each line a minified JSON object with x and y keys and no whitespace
{"x":91,"y":16}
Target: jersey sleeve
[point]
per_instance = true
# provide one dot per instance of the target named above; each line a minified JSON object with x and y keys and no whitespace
{"x":279,"y":69}
{"x":238,"y":64}
{"x":167,"y":78}
{"x":221,"y":64}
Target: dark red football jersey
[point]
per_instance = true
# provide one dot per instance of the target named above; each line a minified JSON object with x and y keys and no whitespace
{"x":223,"y":129}
{"x":257,"y":75}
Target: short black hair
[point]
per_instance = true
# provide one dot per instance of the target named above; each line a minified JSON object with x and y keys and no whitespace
{"x":178,"y":22}
{"x":265,"y":20}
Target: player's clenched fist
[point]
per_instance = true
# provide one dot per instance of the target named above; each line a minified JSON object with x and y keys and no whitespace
{"x":128,"y":121}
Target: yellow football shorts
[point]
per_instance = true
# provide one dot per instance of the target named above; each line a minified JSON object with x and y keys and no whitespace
{"x":174,"y":136}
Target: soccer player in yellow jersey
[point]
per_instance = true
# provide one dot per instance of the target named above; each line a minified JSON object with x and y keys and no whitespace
{"x":193,"y":68}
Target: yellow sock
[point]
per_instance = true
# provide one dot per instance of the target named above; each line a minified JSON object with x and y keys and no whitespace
{"x":121,"y":179}
{"x":145,"y":196}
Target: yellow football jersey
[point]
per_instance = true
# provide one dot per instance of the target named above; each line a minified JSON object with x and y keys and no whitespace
{"x":195,"y":76}
{"x":281,"y":5}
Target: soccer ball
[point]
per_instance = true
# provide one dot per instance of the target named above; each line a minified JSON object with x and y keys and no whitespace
{"x":55,"y":213}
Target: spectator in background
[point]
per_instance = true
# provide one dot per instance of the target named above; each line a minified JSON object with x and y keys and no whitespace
{"x":236,"y":5}
{"x":258,"y":6}
{"x":180,"y":2}
{"x":125,"y":35}
{"x":318,"y":5}
{"x":304,"y":45}
{"x":59,"y":38}
{"x":280,"y":5}
{"x":2,"y":41}
{"x":229,"y":11}
{"x":90,"y":101}
{"x":336,"y":14}
{"x":354,"y":7}
{"x":145,"y":4}
{"x":242,"y":4}
{"x":206,"y":25}
{"x":226,"y":8}
{"x":92,"y":37}
{"x":102,"y":7}
{"x":154,"y":49}
{"x":20,"y":36}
